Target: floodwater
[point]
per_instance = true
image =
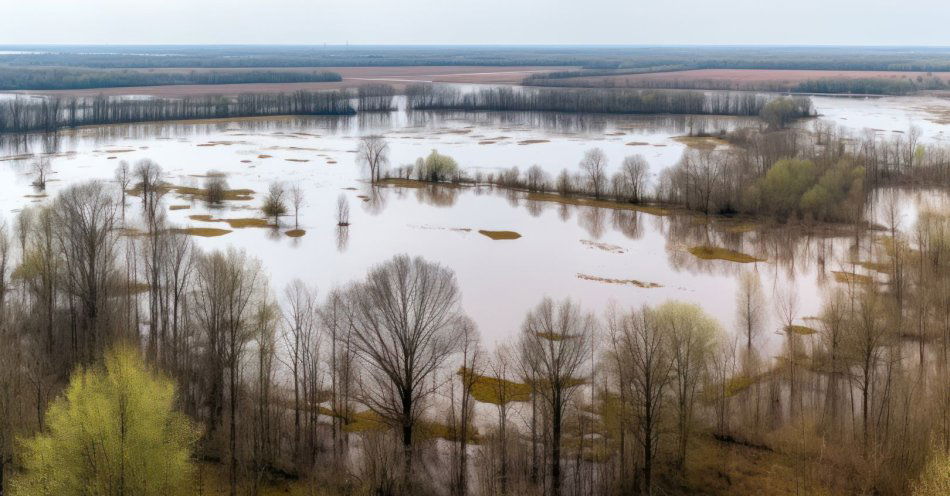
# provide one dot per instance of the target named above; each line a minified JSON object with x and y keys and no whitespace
{"x":600,"y":257}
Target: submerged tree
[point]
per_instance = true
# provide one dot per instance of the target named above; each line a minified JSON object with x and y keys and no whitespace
{"x":374,"y":152}
{"x":114,"y":431}
{"x":274,"y":204}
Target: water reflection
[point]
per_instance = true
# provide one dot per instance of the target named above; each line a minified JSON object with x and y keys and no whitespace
{"x":342,"y":238}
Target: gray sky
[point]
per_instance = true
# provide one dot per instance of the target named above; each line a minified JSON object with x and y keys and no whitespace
{"x":849,"y":22}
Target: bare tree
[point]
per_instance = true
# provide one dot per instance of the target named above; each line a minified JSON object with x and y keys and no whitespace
{"x":373,"y":151}
{"x":41,"y":170}
{"x":634,"y":171}
{"x":641,"y":346}
{"x":750,"y":307}
{"x":123,"y":177}
{"x":215,"y":187}
{"x":594,"y":167}
{"x":407,"y":321}
{"x":297,"y":202}
{"x":555,"y":341}
{"x":227,"y":288}
{"x":299,"y":315}
{"x":691,"y":336}
{"x":85,"y":218}
{"x":274,"y":204}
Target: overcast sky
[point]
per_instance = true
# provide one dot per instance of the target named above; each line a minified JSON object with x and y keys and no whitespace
{"x":849,"y":22}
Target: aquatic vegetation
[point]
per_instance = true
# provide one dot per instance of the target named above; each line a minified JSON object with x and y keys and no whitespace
{"x":295,"y":233}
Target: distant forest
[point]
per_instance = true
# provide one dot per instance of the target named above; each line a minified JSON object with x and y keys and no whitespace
{"x":859,"y":86}
{"x":603,"y":57}
{"x":20,"y":78}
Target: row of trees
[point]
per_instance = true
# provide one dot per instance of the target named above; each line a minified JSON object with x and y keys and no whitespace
{"x":22,"y":78}
{"x":619,"y":101}
{"x":822,"y":174}
{"x":19,"y":115}
{"x":895,"y":85}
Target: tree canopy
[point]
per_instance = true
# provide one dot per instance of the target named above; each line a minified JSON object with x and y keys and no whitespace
{"x":113,"y":432}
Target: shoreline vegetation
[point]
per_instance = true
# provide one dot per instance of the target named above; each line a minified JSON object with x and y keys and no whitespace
{"x":821,"y":176}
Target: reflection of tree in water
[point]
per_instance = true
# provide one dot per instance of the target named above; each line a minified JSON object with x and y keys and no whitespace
{"x":592,"y":220}
{"x":375,"y":201}
{"x":437,"y":195}
{"x":627,"y":222}
{"x":789,"y":250}
{"x":573,"y":123}
{"x":342,"y":238}
{"x":374,"y":121}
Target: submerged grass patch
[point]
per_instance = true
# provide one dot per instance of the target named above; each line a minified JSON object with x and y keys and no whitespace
{"x":500,"y":235}
{"x":800,"y":330}
{"x":179,"y":207}
{"x":295,"y":233}
{"x":206,"y":232}
{"x":487,"y":389}
{"x":706,"y":142}
{"x":238,"y":223}
{"x":533,"y":141}
{"x":229,"y":195}
{"x":851,"y":278}
{"x":629,"y":282}
{"x":707,"y":252}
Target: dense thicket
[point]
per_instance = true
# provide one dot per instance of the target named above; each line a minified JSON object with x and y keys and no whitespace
{"x":20,"y":115}
{"x":24,"y":78}
{"x":621,"y":101}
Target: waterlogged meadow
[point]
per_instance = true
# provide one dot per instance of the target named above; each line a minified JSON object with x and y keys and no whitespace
{"x":507,"y":248}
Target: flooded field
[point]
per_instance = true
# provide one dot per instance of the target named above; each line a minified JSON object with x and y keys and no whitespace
{"x":508,"y":249}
